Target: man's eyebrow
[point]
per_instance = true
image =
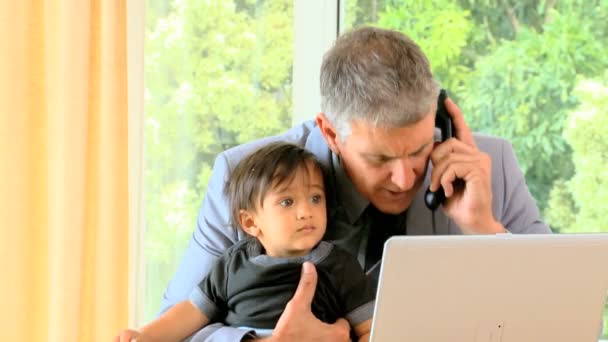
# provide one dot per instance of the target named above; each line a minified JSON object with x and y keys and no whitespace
{"x":385,"y":156}
{"x":378,"y":156}
{"x":422,"y":147}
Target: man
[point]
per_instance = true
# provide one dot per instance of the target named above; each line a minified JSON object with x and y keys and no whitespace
{"x":375,"y":138}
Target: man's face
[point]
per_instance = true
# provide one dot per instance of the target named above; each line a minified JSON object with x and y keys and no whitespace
{"x":387,"y":165}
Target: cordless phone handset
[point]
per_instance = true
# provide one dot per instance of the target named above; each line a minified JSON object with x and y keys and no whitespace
{"x":443,"y":121}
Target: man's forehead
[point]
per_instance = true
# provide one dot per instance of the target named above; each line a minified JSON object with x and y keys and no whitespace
{"x":393,"y":150}
{"x":391,"y":141}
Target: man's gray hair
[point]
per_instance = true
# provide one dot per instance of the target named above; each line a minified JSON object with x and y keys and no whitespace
{"x":376,"y":75}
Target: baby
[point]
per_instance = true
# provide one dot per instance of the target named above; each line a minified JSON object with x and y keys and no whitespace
{"x":277,"y":197}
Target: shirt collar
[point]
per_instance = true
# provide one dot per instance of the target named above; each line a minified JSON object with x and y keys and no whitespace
{"x":316,"y":255}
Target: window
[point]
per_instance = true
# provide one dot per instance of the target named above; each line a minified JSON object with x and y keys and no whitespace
{"x":533,"y":72}
{"x":218,"y":73}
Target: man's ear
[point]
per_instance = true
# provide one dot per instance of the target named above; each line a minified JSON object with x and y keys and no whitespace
{"x":330,"y":134}
{"x":248,"y":224}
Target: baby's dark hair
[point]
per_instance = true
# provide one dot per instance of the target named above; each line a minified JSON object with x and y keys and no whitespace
{"x":266,"y":168}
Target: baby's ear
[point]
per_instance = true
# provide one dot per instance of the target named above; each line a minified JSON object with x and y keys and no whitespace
{"x":247,"y":222}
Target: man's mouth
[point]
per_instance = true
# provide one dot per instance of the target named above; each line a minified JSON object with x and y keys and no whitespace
{"x":396,"y":194}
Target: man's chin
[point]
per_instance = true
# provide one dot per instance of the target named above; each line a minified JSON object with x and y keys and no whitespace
{"x":392,"y":207}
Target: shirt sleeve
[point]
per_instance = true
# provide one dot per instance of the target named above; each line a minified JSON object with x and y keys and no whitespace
{"x":213,"y":234}
{"x":357,"y":292}
{"x":210,"y":295}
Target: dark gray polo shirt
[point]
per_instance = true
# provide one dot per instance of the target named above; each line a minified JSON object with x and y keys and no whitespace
{"x":249,"y":288}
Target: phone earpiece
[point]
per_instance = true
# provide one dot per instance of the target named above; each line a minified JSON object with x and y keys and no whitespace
{"x":434,"y":199}
{"x":443,"y":121}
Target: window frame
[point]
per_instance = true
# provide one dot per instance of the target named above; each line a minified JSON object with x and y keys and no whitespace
{"x":316,"y":26}
{"x":136,"y":15}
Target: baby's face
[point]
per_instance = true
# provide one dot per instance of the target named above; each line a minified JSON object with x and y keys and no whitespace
{"x":292,"y":218}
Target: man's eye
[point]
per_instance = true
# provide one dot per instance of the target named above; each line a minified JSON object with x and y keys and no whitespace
{"x":420,"y":152}
{"x":286,"y":202}
{"x":379,"y":160}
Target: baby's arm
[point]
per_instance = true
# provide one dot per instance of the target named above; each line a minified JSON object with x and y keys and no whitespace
{"x":363,"y":329}
{"x":179,"y":322}
{"x":206,"y":302}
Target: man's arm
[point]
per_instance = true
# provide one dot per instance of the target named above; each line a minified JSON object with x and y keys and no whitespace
{"x":212,"y":236}
{"x":520,"y":213}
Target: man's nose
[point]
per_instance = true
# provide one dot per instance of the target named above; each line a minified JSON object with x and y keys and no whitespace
{"x":402,"y":174}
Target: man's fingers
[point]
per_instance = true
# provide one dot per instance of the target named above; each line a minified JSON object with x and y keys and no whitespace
{"x":467,"y":171}
{"x":342,"y":324}
{"x":307,"y":286}
{"x":342,"y":330}
{"x":440,"y":167}
{"x":448,"y":147}
{"x":463,"y":133}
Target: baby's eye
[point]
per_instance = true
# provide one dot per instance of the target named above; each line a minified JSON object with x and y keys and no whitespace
{"x":316,"y":199}
{"x":286,"y":202}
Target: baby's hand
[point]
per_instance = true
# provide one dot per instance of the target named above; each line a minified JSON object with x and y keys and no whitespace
{"x":127,"y":336}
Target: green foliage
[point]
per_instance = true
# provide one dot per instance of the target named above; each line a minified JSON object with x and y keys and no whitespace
{"x":522,"y":91}
{"x":218,"y":74}
{"x":579,"y":204}
{"x":440,"y":27}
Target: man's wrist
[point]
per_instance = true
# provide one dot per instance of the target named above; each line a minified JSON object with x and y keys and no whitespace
{"x":494,"y":227}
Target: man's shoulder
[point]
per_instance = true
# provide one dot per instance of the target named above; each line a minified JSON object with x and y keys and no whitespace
{"x":496,"y":147}
{"x":490,"y":143}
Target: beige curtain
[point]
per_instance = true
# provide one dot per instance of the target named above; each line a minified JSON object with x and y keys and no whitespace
{"x":64,"y":170}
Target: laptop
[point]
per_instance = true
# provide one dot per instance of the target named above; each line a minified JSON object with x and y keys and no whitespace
{"x":492,"y":288}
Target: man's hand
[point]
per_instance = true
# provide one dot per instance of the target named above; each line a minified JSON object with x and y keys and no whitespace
{"x":297,"y":323}
{"x":469,"y":205}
